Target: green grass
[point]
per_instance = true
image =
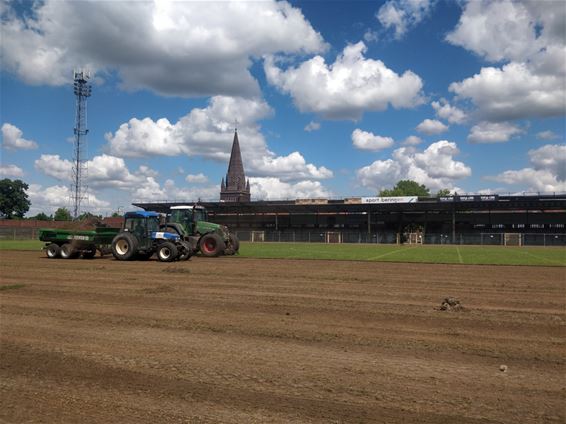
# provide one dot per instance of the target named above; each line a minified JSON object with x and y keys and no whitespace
{"x":21,"y":244}
{"x":488,"y":255}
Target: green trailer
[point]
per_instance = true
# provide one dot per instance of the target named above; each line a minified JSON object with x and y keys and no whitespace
{"x":70,"y":244}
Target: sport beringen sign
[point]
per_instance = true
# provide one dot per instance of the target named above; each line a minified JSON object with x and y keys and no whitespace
{"x":396,"y":199}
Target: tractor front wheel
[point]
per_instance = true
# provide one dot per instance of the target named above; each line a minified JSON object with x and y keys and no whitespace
{"x":187,"y":251}
{"x":211,"y":244}
{"x":167,"y":252}
{"x":124,"y":246}
{"x":53,"y":251}
{"x":234,"y":245}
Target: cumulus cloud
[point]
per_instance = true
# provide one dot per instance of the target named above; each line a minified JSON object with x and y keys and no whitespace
{"x":450,"y":113}
{"x":151,"y":190}
{"x":347,"y":87}
{"x":12,"y":138}
{"x":513,"y":92}
{"x":273,"y":188}
{"x":493,"y":132}
{"x":196,"y":178}
{"x":172,"y":48}
{"x":104,"y":171}
{"x":312,"y":126}
{"x":11,"y":171}
{"x":547,"y":172}
{"x":435,"y":167}
{"x":364,"y":140}
{"x":401,"y":15}
{"x":529,"y":35}
{"x":53,"y":197}
{"x":208,"y":132}
{"x":412,"y":140}
{"x":547,"y":135}
{"x":431,"y":127}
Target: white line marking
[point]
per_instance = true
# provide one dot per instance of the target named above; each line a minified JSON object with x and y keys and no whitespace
{"x":459,"y":255}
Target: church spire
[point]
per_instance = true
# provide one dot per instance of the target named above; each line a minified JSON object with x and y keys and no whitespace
{"x":235,"y":188}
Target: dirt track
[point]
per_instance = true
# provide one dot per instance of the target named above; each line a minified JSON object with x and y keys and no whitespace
{"x":279,"y":341}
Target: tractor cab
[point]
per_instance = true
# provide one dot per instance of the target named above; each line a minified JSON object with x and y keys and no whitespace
{"x":142,"y":225}
{"x":193,"y":219}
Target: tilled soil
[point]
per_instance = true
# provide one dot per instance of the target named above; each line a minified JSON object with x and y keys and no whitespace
{"x":280,"y":341}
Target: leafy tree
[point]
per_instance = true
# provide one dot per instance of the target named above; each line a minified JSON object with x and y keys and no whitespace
{"x":443,"y":192}
{"x":62,"y":214}
{"x":43,"y":217}
{"x":116,"y":215}
{"x":14,"y":202}
{"x":406,"y":188}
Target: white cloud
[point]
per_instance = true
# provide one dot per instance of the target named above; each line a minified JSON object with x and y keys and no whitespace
{"x":431,"y":127}
{"x":401,"y":15}
{"x":547,"y":135}
{"x":274,"y":188}
{"x":54,"y":166}
{"x":11,"y":171}
{"x":104,"y":171}
{"x":151,"y":190}
{"x":493,"y":132}
{"x":527,"y":34}
{"x":371,"y":36}
{"x":513,"y":92}
{"x":434,"y":167}
{"x":172,"y":48}
{"x":12,"y":138}
{"x":451,"y":113}
{"x":208,"y":133}
{"x":412,"y":140}
{"x":368,"y":141}
{"x":312,"y":126}
{"x":346,"y":88}
{"x":496,"y":30}
{"x":196,"y":178}
{"x":547,"y":172}
{"x":48,"y":199}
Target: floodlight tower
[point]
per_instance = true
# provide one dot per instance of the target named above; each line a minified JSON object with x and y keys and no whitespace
{"x":82,"y":90}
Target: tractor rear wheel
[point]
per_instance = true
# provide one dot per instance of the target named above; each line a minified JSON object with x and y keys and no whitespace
{"x":68,"y":251}
{"x":167,"y":252}
{"x":211,"y":244}
{"x":124,"y":246}
{"x":53,"y":251}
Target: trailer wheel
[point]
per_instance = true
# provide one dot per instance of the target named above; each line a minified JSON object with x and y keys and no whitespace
{"x":211,"y":245}
{"x":167,"y":252}
{"x":53,"y":251}
{"x":124,"y":246}
{"x":68,"y":251}
{"x":89,"y":253}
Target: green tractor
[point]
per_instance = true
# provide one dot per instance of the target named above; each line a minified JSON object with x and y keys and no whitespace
{"x":191,"y":223}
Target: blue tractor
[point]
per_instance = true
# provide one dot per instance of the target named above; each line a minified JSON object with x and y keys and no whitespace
{"x":140,"y":238}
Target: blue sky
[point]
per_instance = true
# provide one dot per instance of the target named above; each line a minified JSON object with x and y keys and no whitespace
{"x":332,"y":99}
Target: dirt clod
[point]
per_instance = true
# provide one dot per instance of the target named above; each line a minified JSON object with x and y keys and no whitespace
{"x":451,"y":304}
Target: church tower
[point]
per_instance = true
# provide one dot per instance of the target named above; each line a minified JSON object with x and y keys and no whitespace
{"x":235,"y":188}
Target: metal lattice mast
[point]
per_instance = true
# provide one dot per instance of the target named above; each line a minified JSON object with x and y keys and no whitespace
{"x":82,"y":90}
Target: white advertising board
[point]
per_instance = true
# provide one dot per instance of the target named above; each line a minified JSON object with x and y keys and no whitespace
{"x":399,"y":199}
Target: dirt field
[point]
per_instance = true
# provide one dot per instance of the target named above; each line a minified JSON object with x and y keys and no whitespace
{"x":242,"y":341}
